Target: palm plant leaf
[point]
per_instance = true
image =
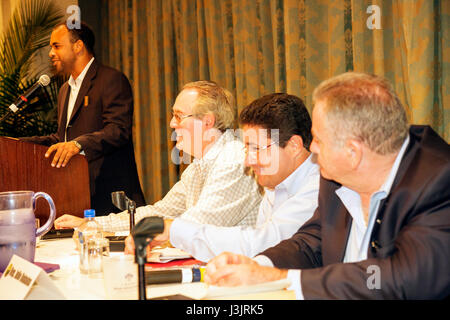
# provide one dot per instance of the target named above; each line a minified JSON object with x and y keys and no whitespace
{"x":28,"y":31}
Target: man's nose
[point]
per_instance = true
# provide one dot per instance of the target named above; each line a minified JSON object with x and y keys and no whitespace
{"x":173,"y":123}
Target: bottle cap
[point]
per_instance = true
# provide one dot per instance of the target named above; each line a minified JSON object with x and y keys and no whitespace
{"x":89,"y":213}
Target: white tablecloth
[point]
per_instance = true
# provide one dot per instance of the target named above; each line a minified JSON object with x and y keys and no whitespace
{"x":76,"y":286}
{"x":68,"y":279}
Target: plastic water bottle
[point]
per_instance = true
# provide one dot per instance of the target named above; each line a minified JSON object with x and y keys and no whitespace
{"x":87,"y":231}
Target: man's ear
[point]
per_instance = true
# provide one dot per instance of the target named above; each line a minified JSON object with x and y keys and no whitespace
{"x":354,"y":152}
{"x":209,"y":120}
{"x":78,"y":46}
{"x":295,"y":144}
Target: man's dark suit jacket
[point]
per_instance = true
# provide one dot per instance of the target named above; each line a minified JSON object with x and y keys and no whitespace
{"x":102,"y":124}
{"x":410,"y":242}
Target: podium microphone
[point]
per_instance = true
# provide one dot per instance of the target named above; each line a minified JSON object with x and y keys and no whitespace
{"x":43,"y":81}
{"x":143,"y":233}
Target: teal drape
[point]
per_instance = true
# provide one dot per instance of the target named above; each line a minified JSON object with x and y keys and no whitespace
{"x":255,"y":47}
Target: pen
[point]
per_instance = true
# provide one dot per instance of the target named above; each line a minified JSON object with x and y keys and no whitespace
{"x":184,"y":275}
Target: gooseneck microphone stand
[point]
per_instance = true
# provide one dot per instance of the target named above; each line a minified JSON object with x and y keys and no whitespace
{"x":131,"y":212}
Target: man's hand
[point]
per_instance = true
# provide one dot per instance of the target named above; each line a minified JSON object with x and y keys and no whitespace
{"x":64,"y":151}
{"x":129,"y":245}
{"x":229,"y":269}
{"x":161,"y":238}
{"x":68,"y":221}
{"x":157,"y":241}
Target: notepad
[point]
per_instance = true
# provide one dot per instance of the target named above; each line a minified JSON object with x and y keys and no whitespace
{"x":200,"y":290}
{"x":215,"y":291}
{"x":167,"y":254}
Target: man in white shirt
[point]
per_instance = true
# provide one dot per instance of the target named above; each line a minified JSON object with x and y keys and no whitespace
{"x":381,"y":227}
{"x":277,"y":135}
{"x":214,"y":188}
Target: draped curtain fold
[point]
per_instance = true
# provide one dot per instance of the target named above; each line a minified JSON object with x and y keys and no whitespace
{"x":255,"y":47}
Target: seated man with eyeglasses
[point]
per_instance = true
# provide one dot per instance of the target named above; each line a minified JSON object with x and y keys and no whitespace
{"x":277,"y":135}
{"x":214,"y":189}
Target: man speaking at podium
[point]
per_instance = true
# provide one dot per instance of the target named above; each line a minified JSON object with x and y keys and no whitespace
{"x":95,"y":113}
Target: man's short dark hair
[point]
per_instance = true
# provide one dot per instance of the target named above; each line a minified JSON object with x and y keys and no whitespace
{"x":281,"y":111}
{"x":83,"y":33}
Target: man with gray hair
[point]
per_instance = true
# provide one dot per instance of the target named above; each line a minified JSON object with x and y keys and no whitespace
{"x":276,"y":130}
{"x":214,"y":189}
{"x":381,"y":229}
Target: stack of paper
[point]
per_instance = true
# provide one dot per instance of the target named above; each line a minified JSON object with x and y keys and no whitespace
{"x":167,"y":254}
{"x":200,"y":290}
{"x":215,"y":291}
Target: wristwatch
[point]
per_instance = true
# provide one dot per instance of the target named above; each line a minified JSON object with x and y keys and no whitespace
{"x":77,"y":144}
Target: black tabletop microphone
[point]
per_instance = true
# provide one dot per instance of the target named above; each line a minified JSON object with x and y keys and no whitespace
{"x":143,"y":233}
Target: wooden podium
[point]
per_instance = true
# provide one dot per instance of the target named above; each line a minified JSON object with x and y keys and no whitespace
{"x":23,"y":166}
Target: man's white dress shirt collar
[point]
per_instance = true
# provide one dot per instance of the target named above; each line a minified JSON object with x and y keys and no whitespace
{"x":359,"y":237}
{"x":75,"y":85}
{"x":289,"y":186}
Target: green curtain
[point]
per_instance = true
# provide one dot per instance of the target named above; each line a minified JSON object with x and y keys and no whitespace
{"x":255,"y":47}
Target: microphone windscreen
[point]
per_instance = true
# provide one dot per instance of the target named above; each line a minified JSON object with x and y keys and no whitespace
{"x":44,"y":80}
{"x":119,"y":199}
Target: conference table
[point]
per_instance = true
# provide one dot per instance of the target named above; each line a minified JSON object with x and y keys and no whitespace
{"x":77,"y":286}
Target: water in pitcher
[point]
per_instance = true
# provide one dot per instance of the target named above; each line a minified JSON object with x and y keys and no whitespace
{"x":17,"y":235}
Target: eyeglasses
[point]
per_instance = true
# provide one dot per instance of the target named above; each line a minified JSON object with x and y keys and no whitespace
{"x":255,"y":149}
{"x":180,"y":117}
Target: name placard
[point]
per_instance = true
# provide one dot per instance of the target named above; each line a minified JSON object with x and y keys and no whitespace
{"x":23,"y":280}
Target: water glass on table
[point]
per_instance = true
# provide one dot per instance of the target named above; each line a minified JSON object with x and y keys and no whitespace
{"x":96,"y":249}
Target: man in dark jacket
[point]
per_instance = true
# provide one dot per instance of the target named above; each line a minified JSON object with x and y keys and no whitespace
{"x":381,"y":230}
{"x":95,"y":114}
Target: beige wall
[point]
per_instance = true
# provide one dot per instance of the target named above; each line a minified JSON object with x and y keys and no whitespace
{"x":7,"y":7}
